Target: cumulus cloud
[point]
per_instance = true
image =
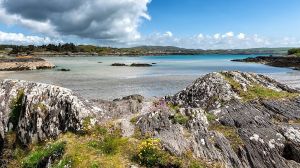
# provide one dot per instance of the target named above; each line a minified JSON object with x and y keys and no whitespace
{"x":21,"y":39}
{"x":216,"y":41}
{"x":95,"y":19}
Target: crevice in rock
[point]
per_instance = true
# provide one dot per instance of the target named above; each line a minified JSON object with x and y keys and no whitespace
{"x":290,"y":152}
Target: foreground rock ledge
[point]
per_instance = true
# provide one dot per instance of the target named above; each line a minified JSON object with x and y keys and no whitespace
{"x":21,"y":64}
{"x":226,"y":119}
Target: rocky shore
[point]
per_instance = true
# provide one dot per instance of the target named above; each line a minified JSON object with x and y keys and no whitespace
{"x":20,"y":64}
{"x":290,"y":62}
{"x":224,"y":119}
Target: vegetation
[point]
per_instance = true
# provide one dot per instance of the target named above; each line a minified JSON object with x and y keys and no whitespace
{"x":142,"y":50}
{"x":180,"y":119}
{"x":294,"y":51}
{"x":257,"y":91}
{"x":230,"y":134}
{"x":211,"y":117}
{"x":38,"y":156}
{"x":16,"y":107}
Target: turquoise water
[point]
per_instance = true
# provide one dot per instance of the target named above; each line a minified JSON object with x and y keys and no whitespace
{"x":171,"y":73}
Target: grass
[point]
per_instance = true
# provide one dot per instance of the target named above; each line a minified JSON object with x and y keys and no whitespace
{"x":16,"y":108}
{"x":173,"y":107}
{"x":257,"y":91}
{"x":103,"y":146}
{"x":36,"y":157}
{"x":40,"y":106}
{"x":211,"y":117}
{"x":180,"y":119}
{"x":230,"y":134}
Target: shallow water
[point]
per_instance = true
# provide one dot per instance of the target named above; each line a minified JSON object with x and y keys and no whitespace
{"x":171,"y":74}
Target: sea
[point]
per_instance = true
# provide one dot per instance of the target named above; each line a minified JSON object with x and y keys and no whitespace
{"x":94,"y":78}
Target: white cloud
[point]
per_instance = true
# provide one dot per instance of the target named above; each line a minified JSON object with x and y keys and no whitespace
{"x":95,"y":19}
{"x":228,"y":35}
{"x":241,"y":36}
{"x":216,"y":41}
{"x":21,"y":39}
{"x":168,"y":34}
{"x":217,"y":36}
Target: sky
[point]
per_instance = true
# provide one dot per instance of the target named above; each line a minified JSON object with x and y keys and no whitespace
{"x":201,"y":24}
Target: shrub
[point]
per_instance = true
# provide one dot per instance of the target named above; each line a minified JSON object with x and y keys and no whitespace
{"x":36,"y":158}
{"x":151,"y":154}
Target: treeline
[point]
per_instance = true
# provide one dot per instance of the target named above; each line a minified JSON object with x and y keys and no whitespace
{"x":68,"y":47}
{"x":294,"y":51}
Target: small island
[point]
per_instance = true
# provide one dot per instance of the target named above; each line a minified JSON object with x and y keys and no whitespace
{"x":292,"y":60}
{"x":20,"y":64}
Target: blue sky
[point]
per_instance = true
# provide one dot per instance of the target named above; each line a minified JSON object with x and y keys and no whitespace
{"x":267,"y":17}
{"x":207,"y":24}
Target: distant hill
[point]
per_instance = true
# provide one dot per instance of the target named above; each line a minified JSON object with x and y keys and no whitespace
{"x":71,"y":49}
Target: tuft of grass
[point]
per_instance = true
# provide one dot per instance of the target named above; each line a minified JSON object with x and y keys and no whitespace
{"x":180,"y":119}
{"x":16,"y":108}
{"x":257,"y":91}
{"x":67,"y":161}
{"x":133,"y":120}
{"x":211,"y":117}
{"x":173,"y":107}
{"x":37,"y":157}
{"x":110,"y":145}
{"x":230,"y":134}
{"x":40,"y":106}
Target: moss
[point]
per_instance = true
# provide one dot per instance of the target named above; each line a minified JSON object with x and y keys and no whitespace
{"x":40,"y":106}
{"x":134,"y":120}
{"x":180,"y":119}
{"x":211,"y":117}
{"x":230,"y":134}
{"x":16,"y":108}
{"x":36,"y":157}
{"x":256,"y":91}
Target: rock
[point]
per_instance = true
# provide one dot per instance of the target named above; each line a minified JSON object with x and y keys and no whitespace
{"x":100,"y":62}
{"x":21,"y":64}
{"x":211,"y":119}
{"x":216,"y":89}
{"x":63,"y":69}
{"x":153,"y":63}
{"x":44,"y":111}
{"x":118,"y":64}
{"x":140,"y":65}
{"x":290,"y":62}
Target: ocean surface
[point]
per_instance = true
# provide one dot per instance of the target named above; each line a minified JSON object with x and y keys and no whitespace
{"x":95,"y":80}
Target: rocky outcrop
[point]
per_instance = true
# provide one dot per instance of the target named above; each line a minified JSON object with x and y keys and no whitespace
{"x":24,"y":64}
{"x":38,"y":111}
{"x":290,"y":62}
{"x":140,"y":65}
{"x":226,"y":119}
{"x":217,"y":89}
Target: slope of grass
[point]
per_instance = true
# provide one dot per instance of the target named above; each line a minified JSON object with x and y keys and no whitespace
{"x":256,"y":91}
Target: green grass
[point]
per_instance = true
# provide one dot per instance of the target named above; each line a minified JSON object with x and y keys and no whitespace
{"x":35,"y":158}
{"x":180,"y":119}
{"x":230,"y":134}
{"x":211,"y":117}
{"x":257,"y":91}
{"x":16,"y":108}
